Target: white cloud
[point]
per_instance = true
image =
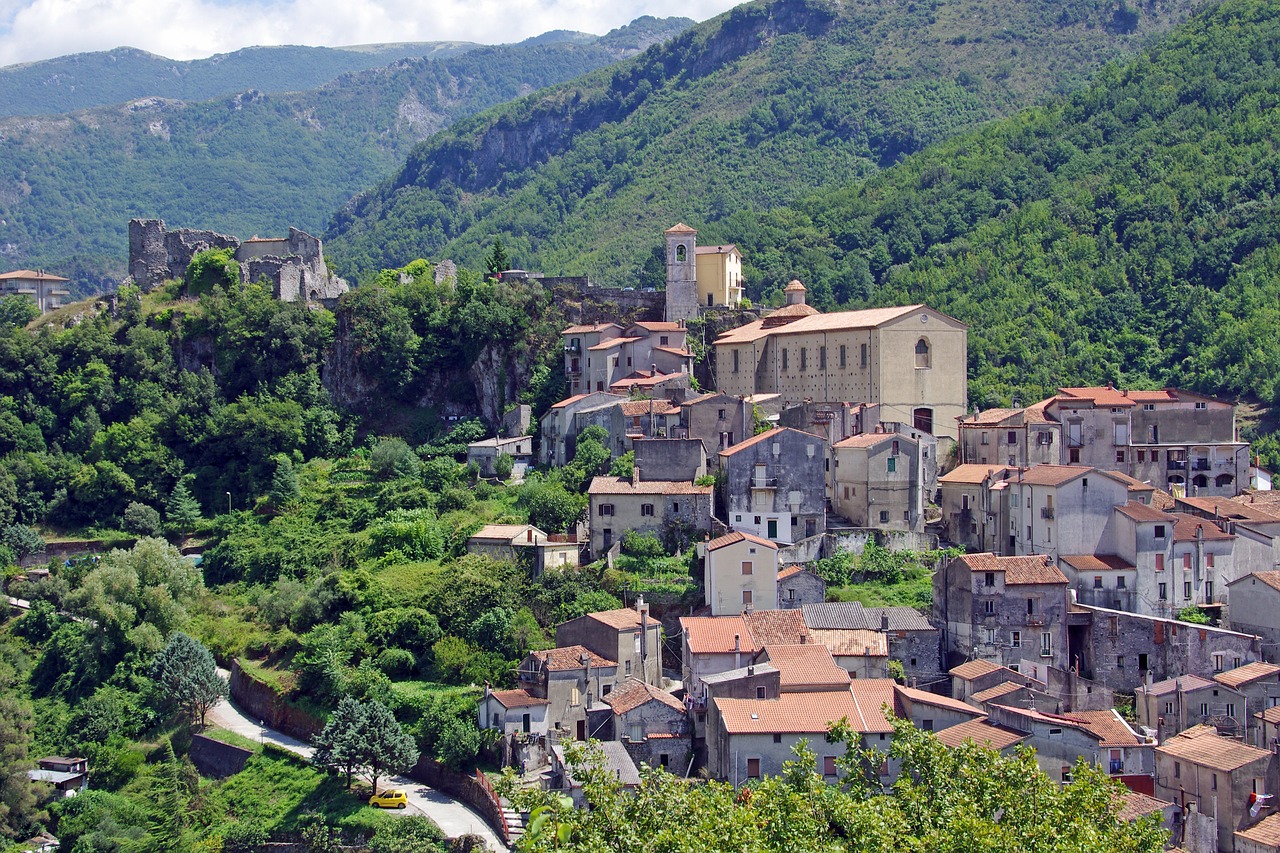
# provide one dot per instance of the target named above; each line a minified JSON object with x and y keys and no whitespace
{"x":190,"y":29}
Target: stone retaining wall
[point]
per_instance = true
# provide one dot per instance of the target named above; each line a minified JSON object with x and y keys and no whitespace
{"x":260,"y":700}
{"x":216,"y":759}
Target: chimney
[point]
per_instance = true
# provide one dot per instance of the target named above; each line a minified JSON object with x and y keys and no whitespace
{"x":751,"y":669}
{"x":635,"y":474}
{"x":737,"y":642}
{"x":884,"y":620}
{"x":737,"y":651}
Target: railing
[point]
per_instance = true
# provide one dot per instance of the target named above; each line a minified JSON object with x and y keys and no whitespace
{"x":1115,"y":766}
{"x":487,"y":786}
{"x":1176,"y":465}
{"x":764,"y":483}
{"x":1046,"y":512}
{"x":572,"y":348}
{"x":1035,"y":619}
{"x":1075,"y":442}
{"x":1201,"y":465}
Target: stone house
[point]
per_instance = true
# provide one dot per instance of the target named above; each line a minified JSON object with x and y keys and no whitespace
{"x":68,"y":776}
{"x":598,"y":355}
{"x":1019,"y":438}
{"x":877,"y":481}
{"x":1267,"y":723}
{"x":931,"y":712}
{"x":718,"y":420}
{"x":513,"y":712}
{"x":964,"y":492}
{"x":749,"y":739}
{"x":797,"y":586}
{"x":913,"y":640}
{"x":1255,"y":609}
{"x":485,"y":454}
{"x":558,"y":431}
{"x":974,"y":677}
{"x":1203,"y":772}
{"x":626,"y":635}
{"x":741,"y":573}
{"x":909,"y":360}
{"x":1063,"y":509}
{"x":805,"y":668}
{"x":775,"y":485}
{"x":668,"y":508}
{"x":649,"y":418}
{"x":46,"y":289}
{"x":669,"y":458}
{"x":652,"y":724}
{"x":1099,"y":737}
{"x":982,"y":731}
{"x":1176,"y":704}
{"x":1118,"y":648}
{"x":1259,"y":683}
{"x":700,"y":277}
{"x":572,"y":679}
{"x":1007,"y":610}
{"x":515,"y":543}
{"x":864,"y":639}
{"x":1262,"y":837}
{"x":1017,"y":695}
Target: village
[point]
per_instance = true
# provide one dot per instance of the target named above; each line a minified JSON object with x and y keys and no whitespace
{"x":1115,"y":598}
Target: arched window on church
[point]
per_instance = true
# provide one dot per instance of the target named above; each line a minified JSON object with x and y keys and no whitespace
{"x":680,"y":254}
{"x":922,"y":353}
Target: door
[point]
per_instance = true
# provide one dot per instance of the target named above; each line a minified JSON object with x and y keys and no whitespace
{"x":525,"y":724}
{"x":582,"y":729}
{"x":922,"y":419}
{"x":773,"y":528}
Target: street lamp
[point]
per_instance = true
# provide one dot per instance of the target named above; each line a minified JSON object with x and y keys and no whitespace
{"x":228,"y":503}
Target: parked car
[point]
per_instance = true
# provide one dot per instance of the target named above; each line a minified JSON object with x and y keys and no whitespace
{"x":392,"y":798}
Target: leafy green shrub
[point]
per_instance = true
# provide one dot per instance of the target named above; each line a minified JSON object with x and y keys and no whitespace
{"x":141,"y":519}
{"x":210,"y":268}
{"x":393,"y":459}
{"x":396,"y":663}
{"x":503,"y":466}
{"x":643,"y":545}
{"x":456,"y":498}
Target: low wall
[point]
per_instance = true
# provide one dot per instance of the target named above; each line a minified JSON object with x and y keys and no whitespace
{"x":216,"y":759}
{"x":854,"y":540}
{"x":462,"y":787}
{"x":260,"y":700}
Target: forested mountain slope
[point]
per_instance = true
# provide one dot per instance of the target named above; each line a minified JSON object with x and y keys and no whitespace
{"x":253,"y":163}
{"x":746,"y":112}
{"x":85,"y":80}
{"x":1127,"y":233}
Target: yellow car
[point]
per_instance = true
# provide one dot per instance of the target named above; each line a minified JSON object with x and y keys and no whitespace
{"x":392,"y":798}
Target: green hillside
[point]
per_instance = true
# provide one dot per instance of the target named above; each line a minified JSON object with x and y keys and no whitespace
{"x":1127,"y":233}
{"x":86,"y":80}
{"x":252,"y":163}
{"x":747,"y":112}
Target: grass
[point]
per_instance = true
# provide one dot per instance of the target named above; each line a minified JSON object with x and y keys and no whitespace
{"x":233,"y":738}
{"x":914,"y":590}
{"x":282,"y":681}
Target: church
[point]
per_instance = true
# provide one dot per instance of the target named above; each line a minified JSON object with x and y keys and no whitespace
{"x":700,"y":277}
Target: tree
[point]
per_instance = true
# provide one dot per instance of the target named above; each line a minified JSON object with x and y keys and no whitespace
{"x":496,"y":261}
{"x":338,"y":745}
{"x":141,"y":519}
{"x":17,"y":310}
{"x":384,"y":745}
{"x":18,"y":807}
{"x":182,"y":510}
{"x":392,"y":459}
{"x":285,"y":490}
{"x":188,"y":676}
{"x":551,"y":506}
{"x":503,"y":465}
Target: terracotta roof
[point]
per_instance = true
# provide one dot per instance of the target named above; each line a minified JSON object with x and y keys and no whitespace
{"x":838,"y":614}
{"x":1096,"y":563}
{"x":871,"y":439}
{"x":683,"y":353}
{"x":1185,"y":527}
{"x":624,"y":486}
{"x":1171,"y":685}
{"x":633,"y":693}
{"x":570,"y":657}
{"x":645,"y":379}
{"x":866,"y":319}
{"x":777,"y":627}
{"x":810,"y":713}
{"x":793,"y":286}
{"x":924,"y":697}
{"x":1168,"y":395}
{"x":1270,"y":578}
{"x":1134,"y":805}
{"x":1036,"y":413}
{"x":1265,"y":831}
{"x":586,"y":328}
{"x":638,"y":408}
{"x":776,"y":432}
{"x":972,"y":669}
{"x":1053,"y":475}
{"x":1032,"y":569}
{"x":1108,"y":726}
{"x":982,"y":732}
{"x":788,"y":313}
{"x":991,"y":417}
{"x":809,"y":665}
{"x":739,"y":536}
{"x":1247,"y":674}
{"x":658,"y":326}
{"x":714,"y":250}
{"x":1270,"y":715}
{"x":970,"y":474}
{"x":38,"y":275}
{"x":852,"y":642}
{"x":1099,"y":396}
{"x":617,"y":762}
{"x":1134,"y":484}
{"x":680,"y":228}
{"x":1232,"y":508}
{"x":790,"y":571}
{"x":1004,"y":688}
{"x":1202,"y":745}
{"x":506,"y":531}
{"x":610,"y":344}
{"x":622,"y":618}
{"x":567,"y":400}
{"x":1142,"y":513}
{"x":709,"y":635}
{"x":517,"y":699}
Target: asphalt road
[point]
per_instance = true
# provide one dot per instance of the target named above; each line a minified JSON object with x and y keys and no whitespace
{"x":453,"y":817}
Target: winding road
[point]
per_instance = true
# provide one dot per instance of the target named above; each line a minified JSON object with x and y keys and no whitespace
{"x":453,"y":817}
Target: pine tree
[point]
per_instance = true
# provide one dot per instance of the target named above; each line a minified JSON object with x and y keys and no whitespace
{"x":338,"y":746}
{"x":385,"y":746}
{"x":285,"y":490}
{"x":188,"y":676}
{"x":182,"y":510}
{"x":497,"y":260}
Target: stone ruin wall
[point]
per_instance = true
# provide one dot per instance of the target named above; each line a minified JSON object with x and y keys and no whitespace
{"x":157,"y":254}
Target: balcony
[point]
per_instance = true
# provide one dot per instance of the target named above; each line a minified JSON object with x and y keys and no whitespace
{"x":1035,"y":619}
{"x":1201,"y":465}
{"x":1115,"y":766}
{"x":764,"y":482}
{"x":573,"y":348}
{"x":1046,"y":512}
{"x":1176,"y":465}
{"x":573,"y":371}
{"x":1075,"y":442}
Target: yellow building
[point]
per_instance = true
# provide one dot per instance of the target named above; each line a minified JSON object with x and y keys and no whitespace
{"x":910,"y":360}
{"x":700,"y":277}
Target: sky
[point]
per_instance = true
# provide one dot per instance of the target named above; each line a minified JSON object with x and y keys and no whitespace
{"x":191,"y":29}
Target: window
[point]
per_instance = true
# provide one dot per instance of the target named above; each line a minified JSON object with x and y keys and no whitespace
{"x":746,"y":567}
{"x":1013,"y":437}
{"x":1120,"y":582}
{"x":1168,"y":707}
{"x":1046,"y":645}
{"x":735,"y":361}
{"x":1015,"y":639}
{"x":777,"y":738}
{"x":1159,"y":562}
{"x":893,"y":464}
{"x":760,"y":692}
{"x":1213,"y":782}
{"x":1119,"y":661}
{"x":989,"y":579}
{"x":1097,"y":581}
{"x":1202,"y":405}
{"x":884,"y":516}
{"x":864,"y":355}
{"x":842,"y":356}
{"x":984,"y":439}
{"x":1217,"y":661}
{"x":753,"y":768}
{"x":828,"y":765}
{"x":1208,"y":560}
{"x":1186,"y":589}
{"x":1186,"y":560}
{"x":1231,"y":709}
{"x":989,"y":607}
{"x":804,"y":361}
{"x":575,"y":697}
{"x":680,"y":254}
{"x":1163,"y":593}
{"x":1208,"y":591}
{"x":1177,"y":770}
{"x":628,"y":672}
{"x":922,"y":353}
{"x":646,"y":509}
{"x":1148,"y":407}
{"x":675,"y":506}
{"x":606,"y":509}
{"x":822,"y":358}
{"x":1142,"y":456}
{"x":746,"y":598}
{"x":784,"y":359}
{"x":720,"y":414}
{"x":1119,"y":455}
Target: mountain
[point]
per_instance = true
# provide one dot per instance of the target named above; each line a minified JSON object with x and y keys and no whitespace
{"x":1127,"y":233}
{"x":253,"y":163}
{"x":747,"y":112}
{"x":86,"y":80}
